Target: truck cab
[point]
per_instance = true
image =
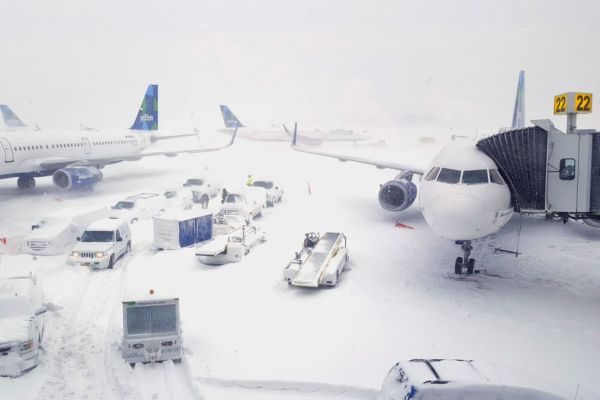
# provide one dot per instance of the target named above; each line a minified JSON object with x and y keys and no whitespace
{"x":203,"y":189}
{"x":247,"y":203}
{"x":102,"y":244}
{"x":139,"y":206}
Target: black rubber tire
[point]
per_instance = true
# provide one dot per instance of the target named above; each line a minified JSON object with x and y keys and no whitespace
{"x":133,"y":220}
{"x":204,"y":201}
{"x":132,"y":365}
{"x":111,"y":262}
{"x":458,"y":265}
{"x":128,"y":248}
{"x":470,"y":266}
{"x":25,"y":182}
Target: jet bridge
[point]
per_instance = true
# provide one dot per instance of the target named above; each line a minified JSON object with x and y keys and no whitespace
{"x":548,"y":170}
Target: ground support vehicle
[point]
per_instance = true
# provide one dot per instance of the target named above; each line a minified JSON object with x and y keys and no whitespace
{"x":232,"y":247}
{"x":247,"y":203}
{"x":203,"y":189}
{"x":102,"y":244}
{"x":21,"y":324}
{"x":274,"y":191}
{"x":139,"y":206}
{"x":182,"y":228}
{"x":151,"y":327}
{"x":320,"y":261}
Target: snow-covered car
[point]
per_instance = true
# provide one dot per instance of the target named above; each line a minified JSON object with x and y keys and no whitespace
{"x":57,"y":232}
{"x":422,"y":379}
{"x":139,"y":206}
{"x":247,"y":203}
{"x":181,"y":197}
{"x":274,"y":191}
{"x":21,"y":324}
{"x":203,"y":189}
{"x":102,"y":244}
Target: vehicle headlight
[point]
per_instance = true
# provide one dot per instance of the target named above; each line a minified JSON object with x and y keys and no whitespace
{"x":75,"y":254}
{"x":99,"y":254}
{"x":26,"y":346}
{"x":138,"y":346}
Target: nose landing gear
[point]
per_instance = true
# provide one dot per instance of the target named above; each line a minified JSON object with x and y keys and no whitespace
{"x":466,"y":262}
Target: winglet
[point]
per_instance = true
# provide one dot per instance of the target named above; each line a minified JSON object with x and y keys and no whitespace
{"x":518,"y":120}
{"x":295,"y":134}
{"x":285,"y":128}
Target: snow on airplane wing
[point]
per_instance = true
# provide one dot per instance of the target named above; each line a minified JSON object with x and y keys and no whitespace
{"x":173,"y":153}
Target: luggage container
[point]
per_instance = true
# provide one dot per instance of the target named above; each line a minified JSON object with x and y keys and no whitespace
{"x":151,"y":326}
{"x":182,"y":228}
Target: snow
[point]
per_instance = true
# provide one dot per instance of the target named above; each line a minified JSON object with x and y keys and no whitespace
{"x":532,"y":320}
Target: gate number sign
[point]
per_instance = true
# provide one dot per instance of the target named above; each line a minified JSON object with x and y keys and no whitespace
{"x":573,"y":103}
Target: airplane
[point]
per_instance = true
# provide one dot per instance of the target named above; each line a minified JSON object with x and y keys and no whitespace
{"x":74,"y":159}
{"x":462,"y":195}
{"x":273,"y":134}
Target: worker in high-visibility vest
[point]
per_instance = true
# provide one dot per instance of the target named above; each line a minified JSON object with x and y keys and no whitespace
{"x":249,"y":181}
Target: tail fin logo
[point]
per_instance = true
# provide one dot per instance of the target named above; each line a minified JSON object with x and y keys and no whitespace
{"x":229,"y":118}
{"x":147,"y":116}
{"x":10,"y":118}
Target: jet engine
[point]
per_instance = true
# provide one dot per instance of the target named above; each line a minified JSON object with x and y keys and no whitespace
{"x":397,"y":194}
{"x":70,"y":178}
{"x":594,"y":222}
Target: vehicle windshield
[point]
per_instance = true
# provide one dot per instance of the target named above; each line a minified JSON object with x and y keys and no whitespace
{"x":159,"y":319}
{"x":16,"y":306}
{"x":235,"y":198}
{"x":475,"y":176}
{"x":171,"y":194}
{"x":97,"y":236}
{"x":263,"y":184}
{"x":448,"y":175}
{"x":194,"y":182}
{"x":124,"y":205}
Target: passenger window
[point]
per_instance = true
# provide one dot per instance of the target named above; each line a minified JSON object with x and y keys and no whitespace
{"x":567,"y":169}
{"x":495,"y":177}
{"x":448,"y":175}
{"x":475,"y":176}
{"x":432,"y":174}
{"x":119,"y":235}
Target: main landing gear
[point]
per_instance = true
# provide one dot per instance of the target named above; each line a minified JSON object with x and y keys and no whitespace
{"x":466,"y":261}
{"x":26,"y":182}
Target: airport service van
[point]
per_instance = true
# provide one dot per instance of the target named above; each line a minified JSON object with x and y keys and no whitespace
{"x":22,"y":315}
{"x":151,"y":326}
{"x":102,"y":244}
{"x":139,"y":206}
{"x":248,"y":202}
{"x":57,"y":232}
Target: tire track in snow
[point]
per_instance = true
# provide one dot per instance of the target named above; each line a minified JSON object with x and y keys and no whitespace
{"x":165,"y":381}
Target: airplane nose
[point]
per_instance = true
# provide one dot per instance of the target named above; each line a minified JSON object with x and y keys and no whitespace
{"x":458,"y":217}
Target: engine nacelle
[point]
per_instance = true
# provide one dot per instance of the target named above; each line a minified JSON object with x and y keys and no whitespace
{"x":593,"y":222}
{"x":397,"y":195}
{"x":70,"y":178}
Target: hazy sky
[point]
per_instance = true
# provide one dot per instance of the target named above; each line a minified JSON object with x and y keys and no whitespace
{"x":409,"y":65}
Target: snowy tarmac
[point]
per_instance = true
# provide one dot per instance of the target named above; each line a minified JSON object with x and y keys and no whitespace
{"x":532,"y":320}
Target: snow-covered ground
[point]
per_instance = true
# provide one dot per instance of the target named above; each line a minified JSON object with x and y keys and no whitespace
{"x":532,"y":320}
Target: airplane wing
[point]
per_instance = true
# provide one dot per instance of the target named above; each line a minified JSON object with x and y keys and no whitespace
{"x":417,"y":170}
{"x":173,"y":153}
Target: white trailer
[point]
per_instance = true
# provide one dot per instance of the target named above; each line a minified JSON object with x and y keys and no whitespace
{"x":320,"y":262}
{"x":151,"y":327}
{"x":231,"y":247}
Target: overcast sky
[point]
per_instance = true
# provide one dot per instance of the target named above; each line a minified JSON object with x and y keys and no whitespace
{"x":408,"y":65}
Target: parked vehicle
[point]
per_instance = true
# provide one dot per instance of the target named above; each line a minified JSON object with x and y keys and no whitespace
{"x":151,"y":327}
{"x":225,"y":224}
{"x":274,"y":191}
{"x":247,"y":203}
{"x":139,"y":206}
{"x":232,"y":247}
{"x":180,"y":197}
{"x":449,"y":380}
{"x":182,"y":228}
{"x":203,"y":189}
{"x":102,"y":244}
{"x":320,"y":261}
{"x":57,"y":232}
{"x":21,"y":324}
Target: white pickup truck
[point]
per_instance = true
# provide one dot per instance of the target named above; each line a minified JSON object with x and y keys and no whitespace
{"x":139,"y":206}
{"x":203,"y":189}
{"x":248,"y":203}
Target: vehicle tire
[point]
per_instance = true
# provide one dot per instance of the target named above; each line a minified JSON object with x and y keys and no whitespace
{"x":470,"y":266}
{"x":458,"y":265}
{"x":111,"y":262}
{"x":177,"y":361}
{"x":25,"y":182}
{"x":132,"y":365}
{"x":204,"y":201}
{"x":128,"y":248}
{"x":133,"y":220}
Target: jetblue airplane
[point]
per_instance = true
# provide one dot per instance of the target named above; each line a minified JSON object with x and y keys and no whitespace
{"x":462,"y":195}
{"x":75,"y":159}
{"x":282,"y":134}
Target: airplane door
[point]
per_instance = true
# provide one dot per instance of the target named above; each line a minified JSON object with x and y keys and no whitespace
{"x":86,"y":145}
{"x":8,"y":151}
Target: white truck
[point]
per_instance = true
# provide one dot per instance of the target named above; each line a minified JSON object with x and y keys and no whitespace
{"x":203,"y":189}
{"x":248,"y":203}
{"x":21,"y":324}
{"x":57,"y":232}
{"x":139,"y":206}
{"x":274,"y":191}
{"x":102,"y":244}
{"x":151,"y":327}
{"x":320,"y":261}
{"x":231,"y":247}
{"x":422,"y":379}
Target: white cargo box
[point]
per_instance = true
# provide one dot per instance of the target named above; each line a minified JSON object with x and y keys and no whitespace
{"x":182,"y":228}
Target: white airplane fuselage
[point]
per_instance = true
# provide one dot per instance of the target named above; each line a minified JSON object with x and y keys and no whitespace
{"x":464,"y":211}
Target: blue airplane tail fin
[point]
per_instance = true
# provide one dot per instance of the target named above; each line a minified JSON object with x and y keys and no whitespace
{"x":231,"y":120}
{"x":518,"y":120}
{"x":147,"y":116}
{"x":10,"y":118}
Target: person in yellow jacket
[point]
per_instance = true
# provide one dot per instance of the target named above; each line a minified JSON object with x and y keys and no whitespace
{"x":249,"y":181}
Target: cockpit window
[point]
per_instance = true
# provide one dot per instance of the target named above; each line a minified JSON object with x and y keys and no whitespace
{"x":475,"y":176}
{"x":432,"y":174}
{"x":448,"y":175}
{"x":495,"y":177}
